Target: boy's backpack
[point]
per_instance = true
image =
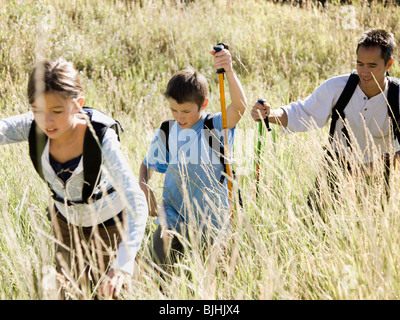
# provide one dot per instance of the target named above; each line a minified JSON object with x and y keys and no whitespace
{"x":351,"y":85}
{"x":213,"y":140}
{"x":92,"y":156}
{"x":209,"y":132}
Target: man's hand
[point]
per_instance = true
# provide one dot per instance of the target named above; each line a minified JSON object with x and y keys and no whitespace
{"x":276,"y":116}
{"x":260,"y":111}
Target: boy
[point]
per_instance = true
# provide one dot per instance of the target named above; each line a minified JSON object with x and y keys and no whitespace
{"x":192,"y":193}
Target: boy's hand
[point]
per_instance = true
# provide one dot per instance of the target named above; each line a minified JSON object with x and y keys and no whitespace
{"x":259,"y":111}
{"x":144,"y":176}
{"x":151,"y":199}
{"x":222,"y":60}
{"x":234,"y":112}
{"x":153,"y":208}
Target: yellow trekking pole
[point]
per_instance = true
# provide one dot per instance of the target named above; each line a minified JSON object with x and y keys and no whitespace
{"x":220,"y":72}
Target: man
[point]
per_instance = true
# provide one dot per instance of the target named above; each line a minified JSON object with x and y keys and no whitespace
{"x":364,"y":124}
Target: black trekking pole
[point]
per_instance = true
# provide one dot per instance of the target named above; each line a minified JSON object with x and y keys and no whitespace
{"x":266,"y":121}
{"x":258,"y":153}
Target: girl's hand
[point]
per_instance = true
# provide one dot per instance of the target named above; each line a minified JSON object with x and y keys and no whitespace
{"x":112,"y":283}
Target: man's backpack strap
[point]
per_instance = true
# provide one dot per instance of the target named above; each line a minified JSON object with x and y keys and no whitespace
{"x":338,"y":109}
{"x":393,"y":107}
{"x":351,"y":85}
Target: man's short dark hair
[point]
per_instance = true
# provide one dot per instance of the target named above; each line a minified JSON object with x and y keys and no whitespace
{"x":187,"y":85}
{"x":378,"y":38}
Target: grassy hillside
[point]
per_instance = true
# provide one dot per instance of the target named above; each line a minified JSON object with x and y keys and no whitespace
{"x":126,"y":52}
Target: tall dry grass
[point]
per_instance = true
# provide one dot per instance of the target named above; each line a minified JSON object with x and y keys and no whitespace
{"x":126,"y":52}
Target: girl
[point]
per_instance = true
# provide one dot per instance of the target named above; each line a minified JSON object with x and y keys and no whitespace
{"x":111,"y":221}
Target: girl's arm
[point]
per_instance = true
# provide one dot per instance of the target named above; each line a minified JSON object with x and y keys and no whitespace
{"x":126,"y":184}
{"x":16,"y":128}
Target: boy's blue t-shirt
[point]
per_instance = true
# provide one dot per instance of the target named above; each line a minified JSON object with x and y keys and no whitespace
{"x":192,"y":192}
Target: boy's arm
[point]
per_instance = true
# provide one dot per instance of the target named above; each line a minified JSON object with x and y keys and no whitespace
{"x":144,"y":177}
{"x":235,"y":110}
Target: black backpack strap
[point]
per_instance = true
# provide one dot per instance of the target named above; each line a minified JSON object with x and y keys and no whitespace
{"x":214,"y":142}
{"x":338,"y":109}
{"x":94,"y":197}
{"x":164,"y":136}
{"x":92,"y":159}
{"x":393,"y":107}
{"x":210,"y":134}
{"x":37,"y":141}
{"x":92,"y":155}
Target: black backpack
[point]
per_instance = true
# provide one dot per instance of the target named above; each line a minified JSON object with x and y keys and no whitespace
{"x":394,"y":115}
{"x":213,"y":140}
{"x":351,"y":85}
{"x":211,"y":136}
{"x":92,"y":156}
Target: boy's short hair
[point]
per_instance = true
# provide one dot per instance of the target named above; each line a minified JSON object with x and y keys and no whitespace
{"x":378,"y":38}
{"x":187,"y":85}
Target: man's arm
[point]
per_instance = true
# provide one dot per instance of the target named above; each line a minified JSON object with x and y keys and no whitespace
{"x":235,"y":110}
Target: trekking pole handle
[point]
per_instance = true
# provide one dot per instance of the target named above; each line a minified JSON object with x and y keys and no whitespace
{"x":261,"y":101}
{"x":220,"y":46}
